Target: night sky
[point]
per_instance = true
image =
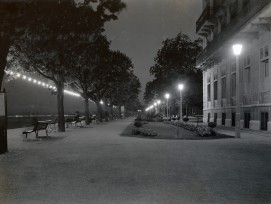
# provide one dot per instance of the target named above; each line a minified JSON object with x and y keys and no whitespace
{"x":144,"y":24}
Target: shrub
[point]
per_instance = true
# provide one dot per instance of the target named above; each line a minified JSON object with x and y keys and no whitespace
{"x":201,"y":131}
{"x":138,"y":124}
{"x":186,"y":119}
{"x":143,"y":131}
{"x":212,"y":124}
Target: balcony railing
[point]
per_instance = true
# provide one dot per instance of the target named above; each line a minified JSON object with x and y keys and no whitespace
{"x":242,"y":17}
{"x":206,"y":14}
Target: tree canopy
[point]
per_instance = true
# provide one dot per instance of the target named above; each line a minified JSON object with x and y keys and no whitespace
{"x":55,"y":26}
{"x":174,"y":63}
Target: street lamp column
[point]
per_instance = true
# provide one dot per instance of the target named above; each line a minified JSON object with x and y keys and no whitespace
{"x":158,"y":106}
{"x":167,"y":97}
{"x":180,"y":86}
{"x":237,"y":49}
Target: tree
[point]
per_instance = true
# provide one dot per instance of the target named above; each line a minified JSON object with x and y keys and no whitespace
{"x":110,"y":70}
{"x":42,"y":49}
{"x":175,"y":62}
{"x":83,"y":59}
{"x":124,"y":91}
{"x":20,"y":18}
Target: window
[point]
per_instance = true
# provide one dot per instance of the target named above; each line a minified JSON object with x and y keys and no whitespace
{"x":247,"y":61}
{"x":247,"y":120}
{"x":266,"y":68}
{"x":223,"y":118}
{"x":215,"y":75}
{"x":224,"y":87}
{"x":223,"y":72}
{"x":247,"y":75}
{"x":215,"y":117}
{"x":209,"y":116}
{"x":233,"y":84}
{"x":209,"y":92}
{"x":215,"y":90}
{"x":264,"y":120}
{"x":264,"y":52}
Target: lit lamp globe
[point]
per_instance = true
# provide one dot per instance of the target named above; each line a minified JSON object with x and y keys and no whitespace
{"x":158,"y":102}
{"x":167,"y":96}
{"x":180,"y":87}
{"x":237,"y":49}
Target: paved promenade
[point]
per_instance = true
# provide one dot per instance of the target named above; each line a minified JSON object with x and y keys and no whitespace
{"x":97,"y":164}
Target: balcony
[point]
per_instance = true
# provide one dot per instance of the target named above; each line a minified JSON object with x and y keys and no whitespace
{"x":238,"y":20}
{"x":205,"y":20}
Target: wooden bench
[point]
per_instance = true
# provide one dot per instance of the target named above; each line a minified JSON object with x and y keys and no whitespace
{"x":38,"y":127}
{"x":74,"y":121}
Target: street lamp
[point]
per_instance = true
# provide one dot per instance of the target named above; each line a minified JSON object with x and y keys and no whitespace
{"x":158,"y":106}
{"x":180,"y":87}
{"x":167,"y":97}
{"x":155,"y":107}
{"x":237,"y":49}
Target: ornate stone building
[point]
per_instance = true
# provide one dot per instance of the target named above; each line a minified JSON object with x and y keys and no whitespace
{"x":221,"y":24}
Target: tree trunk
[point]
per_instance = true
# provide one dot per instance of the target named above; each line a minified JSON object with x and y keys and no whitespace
{"x":112,"y":112}
{"x":99,"y":111}
{"x":119,"y":107}
{"x":4,"y":49}
{"x":86,"y":111}
{"x":60,"y":106}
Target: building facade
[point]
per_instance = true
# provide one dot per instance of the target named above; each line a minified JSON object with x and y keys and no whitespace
{"x":222,"y":24}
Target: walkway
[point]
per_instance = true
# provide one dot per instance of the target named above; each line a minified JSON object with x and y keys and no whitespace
{"x":96,"y":165}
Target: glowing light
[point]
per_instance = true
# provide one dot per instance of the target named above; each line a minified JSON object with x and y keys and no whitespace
{"x":237,"y":49}
{"x":158,"y":102}
{"x":180,"y":86}
{"x":42,"y":83}
{"x":167,"y":96}
{"x":71,"y":93}
{"x":101,"y":102}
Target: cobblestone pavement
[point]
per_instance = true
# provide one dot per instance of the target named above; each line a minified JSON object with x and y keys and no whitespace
{"x":95,"y":164}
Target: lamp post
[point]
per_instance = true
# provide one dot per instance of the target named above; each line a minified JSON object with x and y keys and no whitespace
{"x":180,"y":86}
{"x":237,"y":49}
{"x":155,"y":107}
{"x":167,"y":97}
{"x":158,"y":105}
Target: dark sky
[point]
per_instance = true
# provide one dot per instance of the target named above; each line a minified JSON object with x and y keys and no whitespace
{"x":144,"y":24}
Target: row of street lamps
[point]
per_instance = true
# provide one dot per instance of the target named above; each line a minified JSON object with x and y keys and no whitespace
{"x":237,"y":50}
{"x":167,"y":96}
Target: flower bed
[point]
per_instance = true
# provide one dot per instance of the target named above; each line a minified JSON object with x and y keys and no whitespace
{"x":200,"y":130}
{"x":144,"y":131}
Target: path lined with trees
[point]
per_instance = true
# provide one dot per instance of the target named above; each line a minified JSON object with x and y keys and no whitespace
{"x":63,"y":41}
